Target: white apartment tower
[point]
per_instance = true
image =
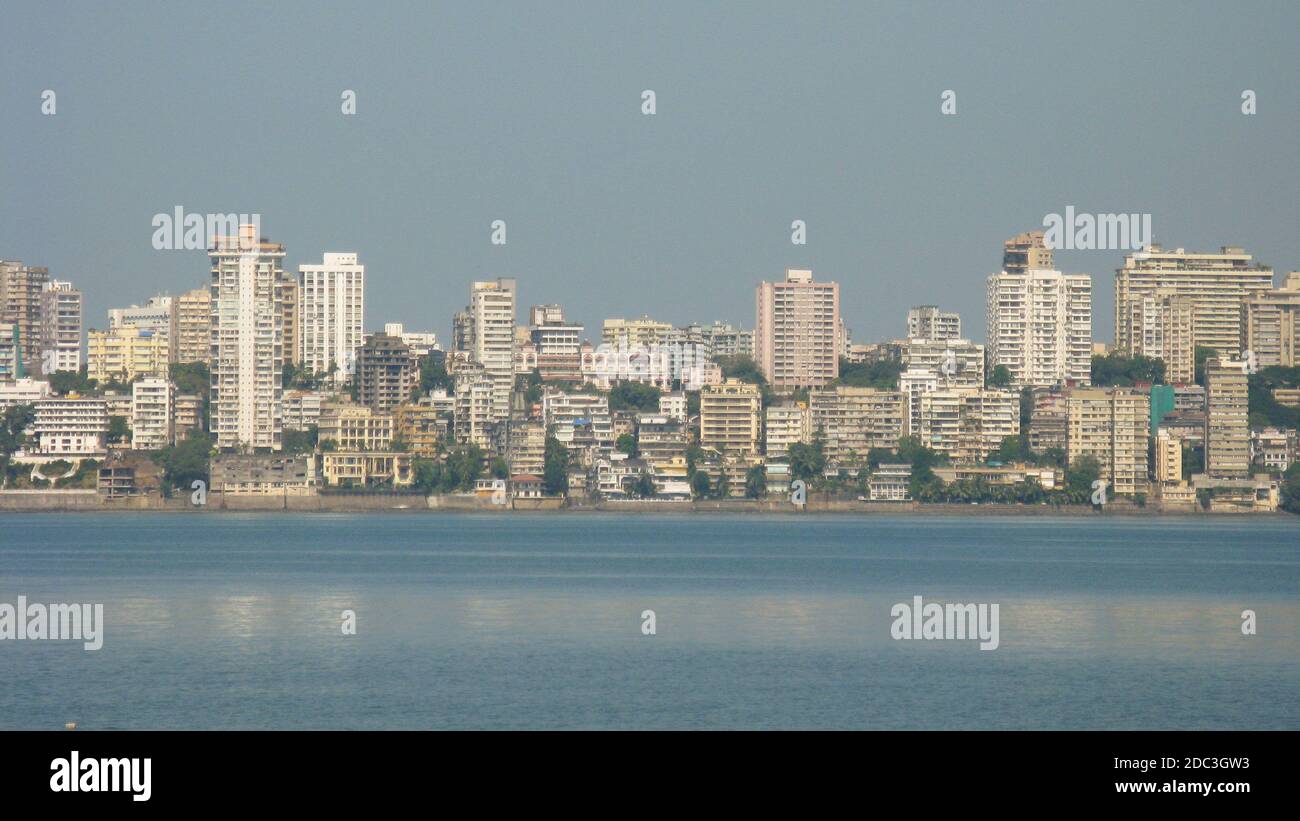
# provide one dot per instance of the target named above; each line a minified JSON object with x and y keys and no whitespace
{"x":492,"y":314}
{"x":1040,"y":326}
{"x":247,"y":340}
{"x":330,"y":311}
{"x":152,"y":413}
{"x":797,"y":332}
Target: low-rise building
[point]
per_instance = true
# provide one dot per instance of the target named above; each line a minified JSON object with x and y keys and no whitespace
{"x":890,"y":482}
{"x":361,"y":469}
{"x":259,"y":475}
{"x":355,"y":427}
{"x":71,"y":426}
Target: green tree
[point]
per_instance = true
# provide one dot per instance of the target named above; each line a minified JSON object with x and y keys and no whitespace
{"x":807,"y":461}
{"x":500,"y":470}
{"x":1079,"y":477}
{"x":1120,"y":369}
{"x":555,"y":469}
{"x":700,"y":484}
{"x":756,"y":482}
{"x":119,"y":429}
{"x":882,"y":374}
{"x":626,"y":443}
{"x":300,"y":441}
{"x":1290,"y":491}
{"x":635,"y":396}
{"x":64,"y":382}
{"x":645,"y":486}
{"x":187,"y":460}
{"x":1000,"y":377}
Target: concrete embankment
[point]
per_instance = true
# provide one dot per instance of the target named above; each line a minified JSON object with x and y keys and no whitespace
{"x":68,"y":501}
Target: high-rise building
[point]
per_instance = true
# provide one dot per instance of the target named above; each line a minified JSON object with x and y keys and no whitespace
{"x":730,"y":417}
{"x":1169,"y":457}
{"x":1227,"y":419}
{"x":60,"y":327}
{"x":1160,"y":327}
{"x":193,"y":326}
{"x":387,"y":372}
{"x":247,"y":340}
{"x":21,"y":289}
{"x":1216,"y":285}
{"x":11,"y":353}
{"x":290,"y":323}
{"x":558,"y":344}
{"x":152,"y":413}
{"x":1270,"y":328}
{"x":1027,"y":252}
{"x":928,"y":322}
{"x":331,"y":305}
{"x":472,"y":417}
{"x":492,"y":312}
{"x":1040,"y":326}
{"x":797,"y":334}
{"x":1111,"y":425}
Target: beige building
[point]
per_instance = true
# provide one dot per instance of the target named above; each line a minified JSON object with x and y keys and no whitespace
{"x":1169,"y":457}
{"x":192,"y":335}
{"x":21,"y":294}
{"x":928,"y":322}
{"x":492,"y":313}
{"x":125,"y":353}
{"x":730,"y":416}
{"x":420,"y":426}
{"x":355,"y":427}
{"x":1269,"y":328}
{"x":1027,"y":252}
{"x":968,"y":425}
{"x":1112,"y":425}
{"x":1160,"y":327}
{"x":1227,"y":422}
{"x":797,"y":334}
{"x":1215,"y":284}
{"x":786,"y":424}
{"x":358,"y":469}
{"x":957,"y":363}
{"x":249,"y":475}
{"x":1040,"y":326}
{"x":643,"y":332}
{"x":851,"y":421}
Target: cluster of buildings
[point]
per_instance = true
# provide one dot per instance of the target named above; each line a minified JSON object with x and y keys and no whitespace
{"x":289,"y":360}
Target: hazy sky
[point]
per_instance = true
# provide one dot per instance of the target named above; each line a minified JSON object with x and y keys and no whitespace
{"x":531,"y":113}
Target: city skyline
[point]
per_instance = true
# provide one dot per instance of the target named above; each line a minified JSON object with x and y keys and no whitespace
{"x":618,"y":213}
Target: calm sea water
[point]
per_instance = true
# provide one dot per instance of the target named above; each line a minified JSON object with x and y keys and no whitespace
{"x":534,"y":621}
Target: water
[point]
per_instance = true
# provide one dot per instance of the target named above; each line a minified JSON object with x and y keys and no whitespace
{"x":534,"y":621}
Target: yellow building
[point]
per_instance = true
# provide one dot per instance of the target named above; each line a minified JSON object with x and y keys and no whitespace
{"x":355,"y":427}
{"x":126,"y":353}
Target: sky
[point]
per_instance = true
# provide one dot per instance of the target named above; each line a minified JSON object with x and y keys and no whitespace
{"x":531,"y":113}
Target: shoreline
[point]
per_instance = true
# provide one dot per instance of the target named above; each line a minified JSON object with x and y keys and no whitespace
{"x":93,"y":502}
